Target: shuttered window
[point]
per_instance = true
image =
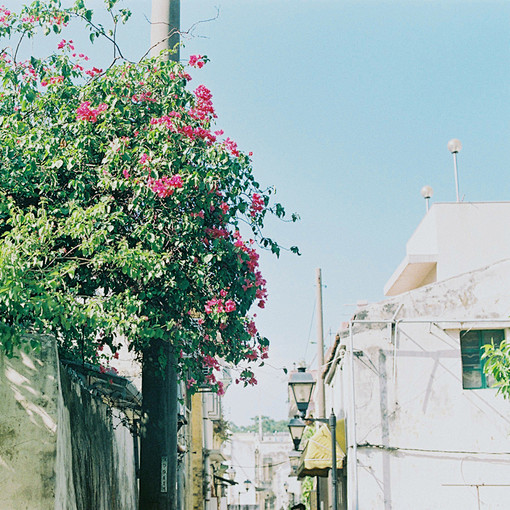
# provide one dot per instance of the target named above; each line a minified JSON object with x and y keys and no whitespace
{"x":471,"y":343}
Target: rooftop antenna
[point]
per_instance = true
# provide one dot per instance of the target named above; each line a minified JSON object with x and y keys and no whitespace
{"x":426,"y":193}
{"x":454,"y":147}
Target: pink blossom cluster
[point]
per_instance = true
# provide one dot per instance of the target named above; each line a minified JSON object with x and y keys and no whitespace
{"x":257,"y":204}
{"x":30,"y":19}
{"x":143,"y":97}
{"x":216,"y":233}
{"x":165,"y":120}
{"x":165,"y":186}
{"x":144,"y":159}
{"x":85,"y":112}
{"x":81,"y":55}
{"x":249,"y":380}
{"x":197,"y":132}
{"x":30,"y":73}
{"x":204,"y":108}
{"x":59,"y":20}
{"x":216,"y":305}
{"x":231,"y":146}
{"x":63,"y":44}
{"x":182,"y":75}
{"x":4,"y":16}
{"x":212,"y":362}
{"x":251,"y":328}
{"x":93,"y":72}
{"x":211,"y":380}
{"x":191,"y":132}
{"x":52,"y":81}
{"x":196,"y":61}
{"x":253,"y":266}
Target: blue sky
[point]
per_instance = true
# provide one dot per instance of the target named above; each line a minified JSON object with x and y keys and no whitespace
{"x":348,"y":107}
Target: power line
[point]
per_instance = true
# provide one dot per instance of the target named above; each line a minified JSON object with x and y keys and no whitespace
{"x":426,"y":450}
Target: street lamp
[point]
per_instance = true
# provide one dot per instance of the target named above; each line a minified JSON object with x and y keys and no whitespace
{"x":247,"y":484}
{"x":301,"y":384}
{"x":296,"y":429}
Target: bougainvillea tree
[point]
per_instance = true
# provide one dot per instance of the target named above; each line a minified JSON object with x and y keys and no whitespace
{"x":126,"y":215}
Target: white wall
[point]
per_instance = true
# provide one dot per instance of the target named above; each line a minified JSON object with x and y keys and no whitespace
{"x":461,"y":237}
{"x":424,"y":441}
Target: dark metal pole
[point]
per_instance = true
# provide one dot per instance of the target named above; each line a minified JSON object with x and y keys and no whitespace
{"x":334,"y":472}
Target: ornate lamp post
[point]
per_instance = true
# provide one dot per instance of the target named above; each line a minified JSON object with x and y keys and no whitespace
{"x":301,"y":384}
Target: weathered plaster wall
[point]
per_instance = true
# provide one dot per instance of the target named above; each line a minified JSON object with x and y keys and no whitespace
{"x":425,"y":442}
{"x":60,"y":448}
{"x":28,"y":429}
{"x":101,"y":458}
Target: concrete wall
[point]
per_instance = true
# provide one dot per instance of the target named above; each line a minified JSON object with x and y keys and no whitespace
{"x":28,"y":429}
{"x":424,"y":441}
{"x":60,"y":447}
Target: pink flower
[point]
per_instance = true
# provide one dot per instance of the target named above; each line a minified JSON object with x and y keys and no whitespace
{"x":231,"y":146}
{"x":92,"y":72}
{"x":190,"y":382}
{"x":85,"y":112}
{"x":196,"y":61}
{"x":165,"y":186}
{"x":257,"y":204}
{"x":125,"y":173}
{"x":230,"y":306}
{"x":144,"y":158}
{"x":251,"y":355}
{"x":224,"y":207}
{"x":210,"y":361}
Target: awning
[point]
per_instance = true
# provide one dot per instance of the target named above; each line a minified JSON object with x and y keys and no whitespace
{"x":316,"y":457}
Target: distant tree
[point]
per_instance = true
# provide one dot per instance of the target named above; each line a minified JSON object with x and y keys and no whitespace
{"x":269,"y":425}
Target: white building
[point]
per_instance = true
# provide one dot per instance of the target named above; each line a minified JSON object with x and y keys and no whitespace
{"x":424,"y":430}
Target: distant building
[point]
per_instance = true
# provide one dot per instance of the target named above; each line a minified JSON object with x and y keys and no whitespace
{"x":262,"y":470}
{"x":424,"y":428}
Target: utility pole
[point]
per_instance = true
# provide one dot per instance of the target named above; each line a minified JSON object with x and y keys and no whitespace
{"x":321,"y":397}
{"x":322,"y":483}
{"x":158,"y":466}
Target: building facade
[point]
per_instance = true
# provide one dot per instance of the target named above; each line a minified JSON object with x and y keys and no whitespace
{"x":262,"y":472}
{"x":424,"y":428}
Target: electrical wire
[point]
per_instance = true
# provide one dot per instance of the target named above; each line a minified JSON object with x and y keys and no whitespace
{"x":426,"y":450}
{"x":310,"y":329}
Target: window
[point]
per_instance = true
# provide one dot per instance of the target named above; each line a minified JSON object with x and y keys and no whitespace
{"x":471,"y":343}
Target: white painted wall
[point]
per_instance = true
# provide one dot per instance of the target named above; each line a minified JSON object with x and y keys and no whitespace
{"x":462,"y":236}
{"x":432,"y":441}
